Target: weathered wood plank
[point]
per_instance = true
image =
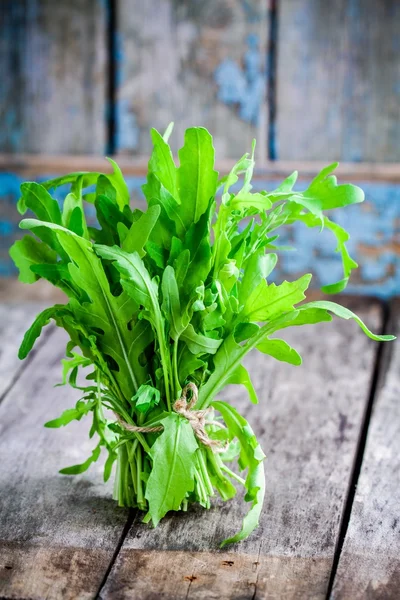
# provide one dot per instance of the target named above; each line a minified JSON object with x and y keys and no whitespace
{"x":200,"y":63}
{"x":53,"y":67}
{"x":338,"y":80}
{"x":38,"y":165}
{"x":15,"y":318}
{"x":369,"y":566}
{"x":308,"y":422}
{"x":57,"y":534}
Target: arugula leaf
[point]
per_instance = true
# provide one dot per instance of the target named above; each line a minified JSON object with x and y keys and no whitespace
{"x":77,"y":469}
{"x":55,"y":312}
{"x":252,"y":457}
{"x":345,"y":313}
{"x":145,"y":398}
{"x":107,"y":313}
{"x":268,"y":300}
{"x":240,"y":375}
{"x":162,"y":164}
{"x":197,"y":178}
{"x":72,"y":414}
{"x":172,"y":475}
{"x":27,"y":252}
{"x":171,"y":304}
{"x":280,"y":350}
{"x":37,"y":198}
{"x":139,"y":232}
{"x":198,"y":343}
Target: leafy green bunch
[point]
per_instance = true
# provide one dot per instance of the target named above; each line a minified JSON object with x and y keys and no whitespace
{"x":172,"y":296}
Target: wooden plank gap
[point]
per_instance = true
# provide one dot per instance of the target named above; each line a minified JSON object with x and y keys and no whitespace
{"x":112,"y":58}
{"x":271,"y":77}
{"x":360,"y":449}
{"x":132,"y":517}
{"x":39,"y":344}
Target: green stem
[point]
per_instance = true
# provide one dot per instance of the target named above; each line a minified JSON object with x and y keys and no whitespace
{"x":175,"y":370}
{"x":165,"y":364}
{"x":203,"y":496}
{"x":204,"y":470}
{"x":139,"y":483}
{"x":233,"y":475}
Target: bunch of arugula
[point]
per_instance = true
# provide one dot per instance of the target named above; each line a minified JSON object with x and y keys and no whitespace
{"x":173,"y":295}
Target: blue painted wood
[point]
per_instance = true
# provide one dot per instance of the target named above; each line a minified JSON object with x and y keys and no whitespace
{"x":338,"y":80}
{"x":374,"y":227}
{"x":53,"y":76}
{"x":195,"y":63}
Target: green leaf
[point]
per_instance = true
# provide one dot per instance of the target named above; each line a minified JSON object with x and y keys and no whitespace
{"x":119,"y":183}
{"x":197,"y":241}
{"x":345,"y":313}
{"x":38,"y":200}
{"x":73,"y":364}
{"x":257,"y":267}
{"x":252,"y":457}
{"x":145,"y":398}
{"x":325,"y":189}
{"x":77,"y":469}
{"x":73,"y":215}
{"x":324,"y":193}
{"x":162,"y":164}
{"x":286,"y":185}
{"x":174,"y":460}
{"x":27,"y":252}
{"x":140,"y":230}
{"x":266,"y":301}
{"x":241,"y":376}
{"x":280,"y":350}
{"x":107,"y":313}
{"x":72,"y":414}
{"x":136,"y":279}
{"x":342,"y":236}
{"x":55,"y":312}
{"x":171,"y":305}
{"x":245,"y":200}
{"x":198,"y":343}
{"x":197,"y":179}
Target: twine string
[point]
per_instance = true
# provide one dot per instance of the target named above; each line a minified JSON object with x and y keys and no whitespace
{"x":196,"y":418}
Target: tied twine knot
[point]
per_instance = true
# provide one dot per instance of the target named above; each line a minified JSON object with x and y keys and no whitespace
{"x":196,"y":418}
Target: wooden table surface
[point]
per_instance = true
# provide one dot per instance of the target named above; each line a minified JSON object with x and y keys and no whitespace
{"x":330,"y":527}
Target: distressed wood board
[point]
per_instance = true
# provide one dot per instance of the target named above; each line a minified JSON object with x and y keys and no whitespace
{"x":53,"y":66}
{"x":195,"y":63}
{"x":308,"y":423}
{"x":338,"y":80}
{"x":369,"y":566}
{"x":35,"y":165}
{"x":57,"y":534}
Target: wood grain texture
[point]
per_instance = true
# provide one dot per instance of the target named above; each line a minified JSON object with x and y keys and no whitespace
{"x":57,"y":533}
{"x":53,"y":87}
{"x":15,"y":318}
{"x":338,"y":92}
{"x":308,"y":422}
{"x":38,"y":165}
{"x":195,"y":63}
{"x":370,"y":561}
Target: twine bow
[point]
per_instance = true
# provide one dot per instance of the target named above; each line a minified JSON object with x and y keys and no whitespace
{"x":196,"y":418}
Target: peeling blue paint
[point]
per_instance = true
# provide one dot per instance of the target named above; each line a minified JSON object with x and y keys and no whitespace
{"x":243,"y":87}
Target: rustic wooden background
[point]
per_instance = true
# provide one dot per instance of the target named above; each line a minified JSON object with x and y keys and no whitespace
{"x":311,"y":80}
